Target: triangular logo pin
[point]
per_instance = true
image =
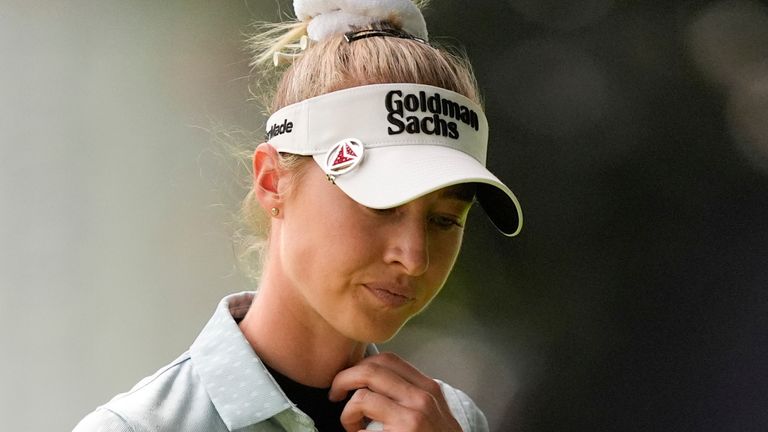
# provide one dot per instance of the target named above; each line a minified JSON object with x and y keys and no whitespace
{"x":344,"y":156}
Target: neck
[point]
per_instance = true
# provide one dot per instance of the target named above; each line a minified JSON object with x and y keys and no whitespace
{"x":284,"y":335}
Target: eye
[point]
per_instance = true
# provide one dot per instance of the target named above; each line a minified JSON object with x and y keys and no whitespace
{"x":446,"y":222}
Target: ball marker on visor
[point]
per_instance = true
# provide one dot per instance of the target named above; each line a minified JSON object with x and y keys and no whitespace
{"x":343,"y":157}
{"x":431,"y":137}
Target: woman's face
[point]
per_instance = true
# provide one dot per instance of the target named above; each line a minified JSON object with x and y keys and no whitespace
{"x":362,"y":272}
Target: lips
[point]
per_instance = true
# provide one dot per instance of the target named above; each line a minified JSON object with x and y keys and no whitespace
{"x":391,"y":295}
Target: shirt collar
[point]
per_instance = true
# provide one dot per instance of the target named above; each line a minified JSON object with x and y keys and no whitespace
{"x":236,"y":380}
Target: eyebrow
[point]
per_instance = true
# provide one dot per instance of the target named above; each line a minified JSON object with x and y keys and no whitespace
{"x":462,"y":192}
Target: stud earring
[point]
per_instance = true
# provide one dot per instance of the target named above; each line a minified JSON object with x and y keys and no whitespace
{"x":275,"y":211}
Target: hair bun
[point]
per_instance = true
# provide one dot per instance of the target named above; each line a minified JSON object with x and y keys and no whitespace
{"x":329,"y":17}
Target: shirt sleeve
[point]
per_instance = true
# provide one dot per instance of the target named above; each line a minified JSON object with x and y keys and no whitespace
{"x":464,"y":409}
{"x":102,"y":420}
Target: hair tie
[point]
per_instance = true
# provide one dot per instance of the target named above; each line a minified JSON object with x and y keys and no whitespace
{"x":366,"y":33}
{"x":329,"y":17}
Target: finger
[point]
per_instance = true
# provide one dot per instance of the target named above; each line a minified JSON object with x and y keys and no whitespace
{"x":382,"y":381}
{"x":404,"y":369}
{"x":366,"y":405}
{"x":426,"y":393}
{"x":372,"y":376}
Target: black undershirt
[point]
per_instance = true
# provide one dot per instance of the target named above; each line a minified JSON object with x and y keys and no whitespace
{"x":313,"y":402}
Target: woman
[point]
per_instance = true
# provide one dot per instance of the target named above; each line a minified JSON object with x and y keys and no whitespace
{"x":373,"y":156}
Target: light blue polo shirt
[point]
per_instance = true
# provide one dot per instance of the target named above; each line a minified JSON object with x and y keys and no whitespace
{"x":221,"y":385}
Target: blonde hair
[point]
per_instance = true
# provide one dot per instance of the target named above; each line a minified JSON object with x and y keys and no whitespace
{"x":335,"y":64}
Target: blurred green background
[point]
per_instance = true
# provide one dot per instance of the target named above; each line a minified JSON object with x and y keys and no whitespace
{"x":634,"y":133}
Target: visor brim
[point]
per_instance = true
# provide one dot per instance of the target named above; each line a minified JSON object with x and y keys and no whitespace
{"x":392,"y":176}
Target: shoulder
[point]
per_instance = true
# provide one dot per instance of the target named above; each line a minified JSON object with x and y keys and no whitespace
{"x":102,"y":420}
{"x":464,"y":409}
{"x":171,"y":397}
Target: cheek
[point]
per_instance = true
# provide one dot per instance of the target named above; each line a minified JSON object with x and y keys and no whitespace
{"x":443,"y":257}
{"x":448,"y":250}
{"x":324,"y":251}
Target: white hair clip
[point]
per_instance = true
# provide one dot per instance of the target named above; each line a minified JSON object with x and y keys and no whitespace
{"x":294,"y":50}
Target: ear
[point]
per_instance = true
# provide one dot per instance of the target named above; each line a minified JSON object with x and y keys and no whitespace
{"x":266,"y":176}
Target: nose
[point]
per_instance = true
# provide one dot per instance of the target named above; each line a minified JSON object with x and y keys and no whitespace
{"x":409,"y":245}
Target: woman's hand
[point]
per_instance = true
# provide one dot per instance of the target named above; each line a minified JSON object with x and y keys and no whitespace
{"x":391,"y":391}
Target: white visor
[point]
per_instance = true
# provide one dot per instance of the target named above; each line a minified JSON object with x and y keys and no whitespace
{"x":387,"y":144}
